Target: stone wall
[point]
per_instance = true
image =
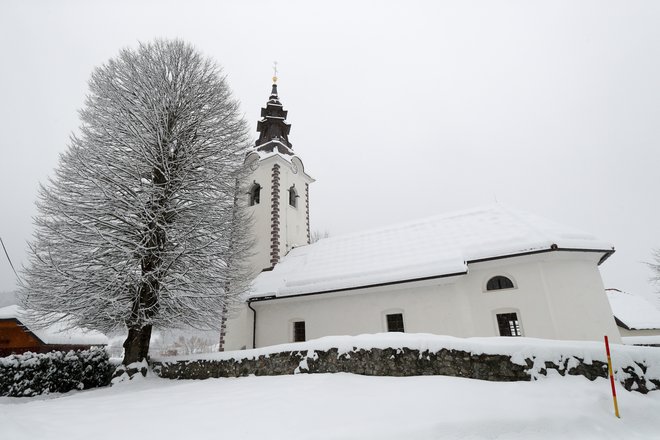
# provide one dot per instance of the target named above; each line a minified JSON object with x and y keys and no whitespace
{"x":402,"y":362}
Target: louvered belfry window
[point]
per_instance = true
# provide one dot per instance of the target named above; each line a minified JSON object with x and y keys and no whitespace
{"x":293,"y":197}
{"x":255,"y":194}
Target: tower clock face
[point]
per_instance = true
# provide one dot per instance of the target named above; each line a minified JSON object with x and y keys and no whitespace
{"x":296,"y":165}
{"x":254,"y":164}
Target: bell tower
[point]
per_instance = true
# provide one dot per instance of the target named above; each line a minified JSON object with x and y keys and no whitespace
{"x":277,"y":188}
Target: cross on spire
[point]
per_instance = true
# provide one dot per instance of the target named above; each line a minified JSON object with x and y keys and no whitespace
{"x":274,"y":71}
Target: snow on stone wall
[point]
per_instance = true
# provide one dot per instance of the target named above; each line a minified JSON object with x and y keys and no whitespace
{"x":495,"y":359}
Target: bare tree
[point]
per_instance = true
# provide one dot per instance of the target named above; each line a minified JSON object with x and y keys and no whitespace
{"x":318,"y":235}
{"x":138,"y":228}
{"x":655,"y":269}
{"x":190,"y":345}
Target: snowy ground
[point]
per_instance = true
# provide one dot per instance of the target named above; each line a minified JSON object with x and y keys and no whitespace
{"x":335,"y":406}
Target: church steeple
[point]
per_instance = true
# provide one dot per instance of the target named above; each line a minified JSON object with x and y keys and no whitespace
{"x":273,"y":128}
{"x":277,"y":189}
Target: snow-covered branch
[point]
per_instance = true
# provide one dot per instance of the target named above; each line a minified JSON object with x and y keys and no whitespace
{"x":139,"y":226}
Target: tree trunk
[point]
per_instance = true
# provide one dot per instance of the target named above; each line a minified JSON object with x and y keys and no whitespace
{"x":136,"y":349}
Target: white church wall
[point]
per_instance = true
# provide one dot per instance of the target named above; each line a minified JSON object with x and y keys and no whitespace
{"x":292,"y":220}
{"x":577,"y":299}
{"x":557,"y":295}
{"x":260,"y":216}
{"x":425,"y":308}
{"x":526,"y":299}
{"x":239,"y":329}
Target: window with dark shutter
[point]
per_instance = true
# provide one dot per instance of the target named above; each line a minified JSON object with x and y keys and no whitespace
{"x":508,"y":324}
{"x":293,"y":196}
{"x":254,"y":194}
{"x":395,"y":322}
{"x":499,"y":282}
{"x":299,"y":331}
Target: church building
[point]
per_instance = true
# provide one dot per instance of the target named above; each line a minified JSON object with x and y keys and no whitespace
{"x":488,"y":271}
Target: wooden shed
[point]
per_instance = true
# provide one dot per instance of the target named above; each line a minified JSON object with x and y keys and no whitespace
{"x":18,"y":336}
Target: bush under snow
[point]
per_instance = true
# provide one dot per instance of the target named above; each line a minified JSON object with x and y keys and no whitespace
{"x":31,"y":374}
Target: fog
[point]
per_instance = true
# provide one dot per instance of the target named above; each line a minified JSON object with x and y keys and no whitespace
{"x":399,"y":110}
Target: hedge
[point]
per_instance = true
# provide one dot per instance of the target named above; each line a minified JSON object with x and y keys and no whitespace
{"x":31,"y":374}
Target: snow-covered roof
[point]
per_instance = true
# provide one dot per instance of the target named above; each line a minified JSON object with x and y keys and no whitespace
{"x":266,"y":154}
{"x":259,"y":155}
{"x":653,"y":340}
{"x":430,"y":247}
{"x":633,"y":310}
{"x":55,"y":334}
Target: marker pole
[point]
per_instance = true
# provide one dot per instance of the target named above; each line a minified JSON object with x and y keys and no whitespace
{"x":609,"y":368}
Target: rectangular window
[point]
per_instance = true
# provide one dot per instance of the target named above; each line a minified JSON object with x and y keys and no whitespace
{"x":508,"y":324}
{"x":299,"y":331}
{"x":395,"y":322}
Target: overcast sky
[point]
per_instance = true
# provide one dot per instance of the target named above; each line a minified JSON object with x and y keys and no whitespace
{"x":399,"y":109}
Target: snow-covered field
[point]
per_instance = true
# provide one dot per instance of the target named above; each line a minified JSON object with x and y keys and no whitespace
{"x":335,"y":406}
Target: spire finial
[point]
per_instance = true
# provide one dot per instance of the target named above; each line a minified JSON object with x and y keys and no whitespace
{"x":274,"y":71}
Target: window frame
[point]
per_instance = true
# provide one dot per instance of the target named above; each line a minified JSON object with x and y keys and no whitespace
{"x":508,"y":311}
{"x":293,"y":196}
{"x":487,"y":280}
{"x":255,"y":188}
{"x":394,"y":313}
{"x":295,"y":330}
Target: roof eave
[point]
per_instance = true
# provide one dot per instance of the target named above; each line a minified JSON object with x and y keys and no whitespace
{"x":346,"y":289}
{"x":553,"y":248}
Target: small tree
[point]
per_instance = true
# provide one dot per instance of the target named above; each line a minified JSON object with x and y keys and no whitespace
{"x":139,"y":226}
{"x":193,"y":344}
{"x":318,"y":235}
{"x":655,"y":269}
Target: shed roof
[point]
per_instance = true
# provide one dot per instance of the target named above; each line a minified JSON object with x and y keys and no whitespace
{"x":634,"y":311}
{"x":432,"y":247}
{"x":55,"y":334}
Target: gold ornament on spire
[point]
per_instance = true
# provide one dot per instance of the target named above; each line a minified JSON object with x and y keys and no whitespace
{"x":274,"y":71}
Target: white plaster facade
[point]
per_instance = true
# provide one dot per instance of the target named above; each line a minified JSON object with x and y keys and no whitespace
{"x":557,"y":295}
{"x":290,"y":223}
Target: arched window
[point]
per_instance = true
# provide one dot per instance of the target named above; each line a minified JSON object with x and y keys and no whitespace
{"x":499,"y":282}
{"x":254,"y":194}
{"x":293,"y":196}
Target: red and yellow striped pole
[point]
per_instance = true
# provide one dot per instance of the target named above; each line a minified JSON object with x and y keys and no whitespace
{"x":611,"y":371}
